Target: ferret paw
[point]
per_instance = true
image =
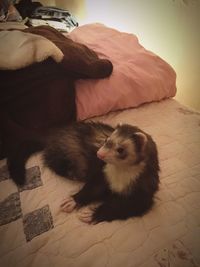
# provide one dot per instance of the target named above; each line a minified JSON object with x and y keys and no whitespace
{"x":68,"y":205}
{"x":86,"y":215}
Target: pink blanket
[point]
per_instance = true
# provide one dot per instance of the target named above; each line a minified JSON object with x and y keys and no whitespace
{"x":139,"y":75}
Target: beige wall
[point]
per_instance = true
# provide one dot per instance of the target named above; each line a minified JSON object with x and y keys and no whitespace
{"x":169,"y":28}
{"x":47,"y":2}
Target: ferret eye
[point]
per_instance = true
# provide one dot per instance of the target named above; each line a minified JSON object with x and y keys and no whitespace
{"x":120,"y":150}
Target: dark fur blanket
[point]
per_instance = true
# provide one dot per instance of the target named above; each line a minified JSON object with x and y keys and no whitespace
{"x":41,"y":95}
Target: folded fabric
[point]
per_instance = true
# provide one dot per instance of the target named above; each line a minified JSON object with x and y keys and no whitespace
{"x":139,"y":76}
{"x":38,"y":69}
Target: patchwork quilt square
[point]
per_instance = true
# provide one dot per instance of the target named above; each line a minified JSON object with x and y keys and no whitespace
{"x":10,"y":209}
{"x":37,"y":222}
{"x":33,"y":179}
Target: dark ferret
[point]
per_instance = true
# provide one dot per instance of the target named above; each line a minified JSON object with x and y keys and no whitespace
{"x":119,"y":167}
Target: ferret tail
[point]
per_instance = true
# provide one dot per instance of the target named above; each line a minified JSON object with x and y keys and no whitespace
{"x":16,"y":160}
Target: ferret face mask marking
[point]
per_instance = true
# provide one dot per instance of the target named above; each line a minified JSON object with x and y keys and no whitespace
{"x":123,"y":150}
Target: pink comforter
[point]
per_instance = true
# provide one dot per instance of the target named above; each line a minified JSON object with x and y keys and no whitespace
{"x":139,"y":76}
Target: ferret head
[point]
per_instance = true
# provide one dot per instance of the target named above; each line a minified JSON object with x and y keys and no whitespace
{"x":126,"y":145}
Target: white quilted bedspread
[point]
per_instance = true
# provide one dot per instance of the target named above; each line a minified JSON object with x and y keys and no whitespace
{"x":35,"y":233}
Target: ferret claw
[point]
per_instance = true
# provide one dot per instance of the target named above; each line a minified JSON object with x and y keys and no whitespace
{"x":86,"y":215}
{"x":68,"y":205}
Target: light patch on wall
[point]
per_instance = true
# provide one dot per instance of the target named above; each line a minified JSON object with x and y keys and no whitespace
{"x":48,"y":2}
{"x":169,"y":28}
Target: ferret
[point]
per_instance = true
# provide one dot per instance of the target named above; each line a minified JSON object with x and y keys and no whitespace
{"x":118,"y":165}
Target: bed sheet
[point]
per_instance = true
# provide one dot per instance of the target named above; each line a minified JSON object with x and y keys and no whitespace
{"x":33,"y":231}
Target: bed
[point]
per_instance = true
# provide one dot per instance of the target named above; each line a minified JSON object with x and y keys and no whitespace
{"x":33,"y":230}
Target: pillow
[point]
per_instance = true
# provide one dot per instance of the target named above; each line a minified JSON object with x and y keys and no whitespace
{"x":139,"y":76}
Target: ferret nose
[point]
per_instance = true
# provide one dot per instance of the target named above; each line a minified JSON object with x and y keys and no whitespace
{"x":100,"y":155}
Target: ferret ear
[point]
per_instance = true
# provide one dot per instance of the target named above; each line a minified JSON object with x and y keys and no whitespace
{"x":141,"y":140}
